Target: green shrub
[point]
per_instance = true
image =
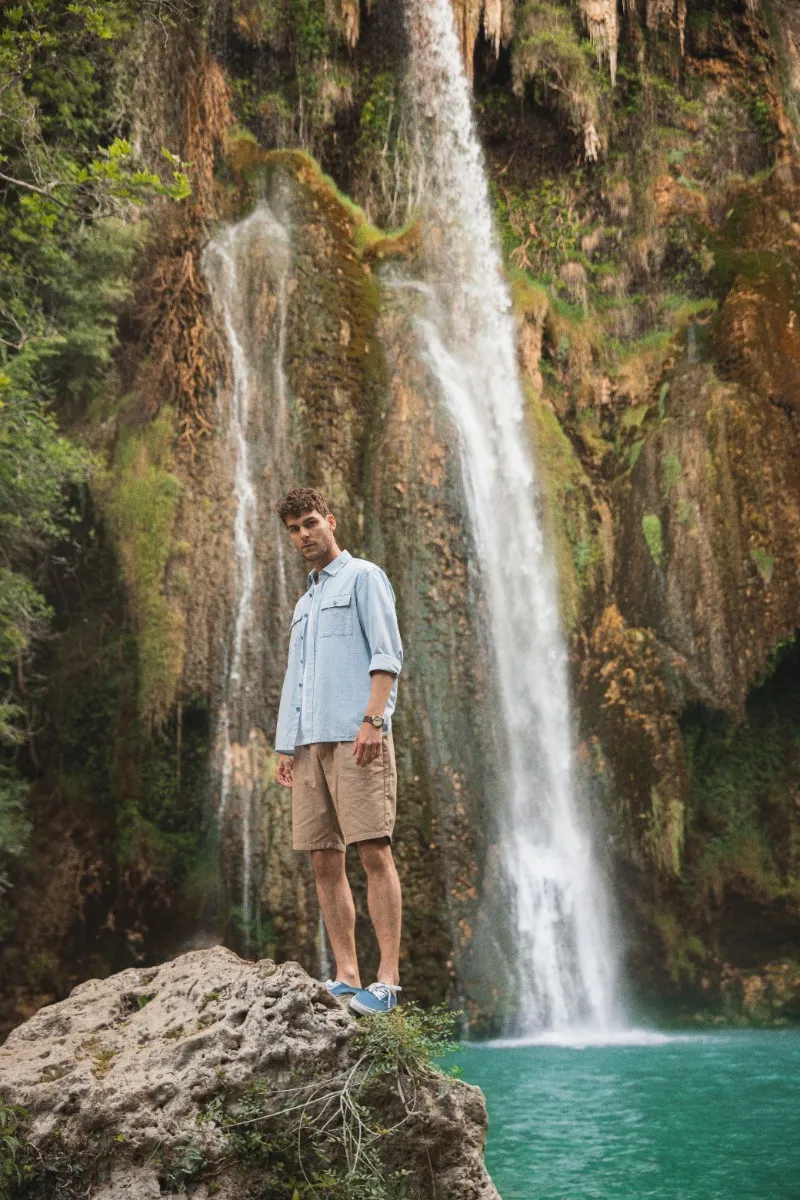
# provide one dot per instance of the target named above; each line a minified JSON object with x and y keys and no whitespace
{"x":11,"y":1146}
{"x":408,"y":1040}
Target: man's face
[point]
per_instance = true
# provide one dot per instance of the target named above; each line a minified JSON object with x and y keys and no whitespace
{"x":312,"y":534}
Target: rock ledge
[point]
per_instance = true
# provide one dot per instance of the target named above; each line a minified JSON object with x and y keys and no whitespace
{"x":203,"y":1076}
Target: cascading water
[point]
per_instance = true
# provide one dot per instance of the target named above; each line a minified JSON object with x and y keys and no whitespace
{"x":247,"y":266}
{"x":564,"y":955}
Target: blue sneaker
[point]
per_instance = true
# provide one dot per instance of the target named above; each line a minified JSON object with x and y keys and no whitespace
{"x":377,"y":998}
{"x":337,"y":988}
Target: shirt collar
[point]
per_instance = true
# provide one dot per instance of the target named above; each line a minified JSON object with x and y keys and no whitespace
{"x":333,"y":567}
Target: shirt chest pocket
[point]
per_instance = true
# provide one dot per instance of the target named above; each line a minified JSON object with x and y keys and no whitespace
{"x":336,"y":617}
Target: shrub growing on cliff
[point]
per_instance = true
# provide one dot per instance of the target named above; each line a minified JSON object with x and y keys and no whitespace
{"x":11,"y":1146}
{"x":408,"y":1041}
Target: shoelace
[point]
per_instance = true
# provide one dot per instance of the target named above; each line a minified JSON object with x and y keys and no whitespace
{"x":382,"y":991}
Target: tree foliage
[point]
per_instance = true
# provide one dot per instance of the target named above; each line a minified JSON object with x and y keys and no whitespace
{"x":69,"y":230}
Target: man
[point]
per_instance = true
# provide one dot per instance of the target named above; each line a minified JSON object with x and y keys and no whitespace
{"x":335,"y":741}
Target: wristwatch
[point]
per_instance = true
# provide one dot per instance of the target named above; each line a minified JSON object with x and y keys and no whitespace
{"x":376,"y":721}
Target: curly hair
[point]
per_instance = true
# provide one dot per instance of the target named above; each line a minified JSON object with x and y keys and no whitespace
{"x":300,"y":501}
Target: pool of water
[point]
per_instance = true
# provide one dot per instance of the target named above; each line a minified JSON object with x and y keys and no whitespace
{"x":700,"y":1117}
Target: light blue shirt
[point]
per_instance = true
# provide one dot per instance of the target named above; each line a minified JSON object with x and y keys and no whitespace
{"x":354,"y":633}
{"x":306,"y":723}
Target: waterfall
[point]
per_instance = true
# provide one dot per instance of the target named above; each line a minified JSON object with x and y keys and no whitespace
{"x":562,"y":950}
{"x":247,"y":266}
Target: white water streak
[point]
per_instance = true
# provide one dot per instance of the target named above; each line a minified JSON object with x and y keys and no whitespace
{"x":564,"y":957}
{"x":238,"y":752}
{"x":592,"y":1039}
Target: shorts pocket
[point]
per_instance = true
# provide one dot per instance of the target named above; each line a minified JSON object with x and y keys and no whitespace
{"x":336,"y":617}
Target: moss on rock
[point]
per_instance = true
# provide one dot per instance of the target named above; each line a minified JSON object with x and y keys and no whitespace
{"x":142,"y":502}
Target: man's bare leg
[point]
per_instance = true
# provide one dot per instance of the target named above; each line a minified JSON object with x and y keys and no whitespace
{"x":338,"y":912}
{"x":385,"y":905}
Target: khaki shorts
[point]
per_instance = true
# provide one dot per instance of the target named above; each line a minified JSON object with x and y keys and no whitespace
{"x":335,"y":802}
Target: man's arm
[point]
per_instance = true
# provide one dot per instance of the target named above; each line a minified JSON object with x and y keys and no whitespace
{"x":367,"y":745}
{"x":382,"y":684}
{"x":376,"y":612}
{"x":283,"y":739}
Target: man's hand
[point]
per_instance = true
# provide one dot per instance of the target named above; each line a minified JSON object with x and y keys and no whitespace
{"x":285,"y":770}
{"x":368,"y":744}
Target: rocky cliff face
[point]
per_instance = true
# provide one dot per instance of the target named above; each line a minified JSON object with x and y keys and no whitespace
{"x":652,"y":244}
{"x":216,"y":1077}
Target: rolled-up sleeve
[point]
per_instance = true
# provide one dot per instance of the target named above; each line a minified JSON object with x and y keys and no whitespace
{"x":378,"y":617}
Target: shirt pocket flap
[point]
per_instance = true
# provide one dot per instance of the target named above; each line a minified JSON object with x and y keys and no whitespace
{"x":298,"y":613}
{"x":336,"y":616}
{"x":337,"y":601}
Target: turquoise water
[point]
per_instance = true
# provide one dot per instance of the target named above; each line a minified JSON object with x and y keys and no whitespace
{"x":713,"y":1117}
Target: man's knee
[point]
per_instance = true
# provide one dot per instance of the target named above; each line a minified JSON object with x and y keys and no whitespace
{"x":328,"y":864}
{"x":376,"y":856}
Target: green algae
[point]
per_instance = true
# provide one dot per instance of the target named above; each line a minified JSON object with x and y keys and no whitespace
{"x":765,"y":564}
{"x":671,"y":473}
{"x":745,"y":834}
{"x":654,"y":537}
{"x":684,"y":953}
{"x":665,"y":831}
{"x":142,"y":504}
{"x":634,"y":454}
{"x":572,"y":521}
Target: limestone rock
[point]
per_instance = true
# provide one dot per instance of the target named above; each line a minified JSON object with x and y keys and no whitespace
{"x":117,"y":1075}
{"x":768,"y":996}
{"x":602,"y":21}
{"x":495,"y":16}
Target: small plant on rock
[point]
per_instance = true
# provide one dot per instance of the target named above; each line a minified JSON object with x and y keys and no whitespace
{"x":321,"y":1136}
{"x":11,"y":1118}
{"x":408,"y":1040}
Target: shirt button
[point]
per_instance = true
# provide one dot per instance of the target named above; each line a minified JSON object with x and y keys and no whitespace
{"x":297,"y":710}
